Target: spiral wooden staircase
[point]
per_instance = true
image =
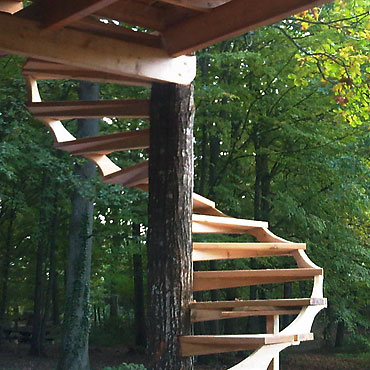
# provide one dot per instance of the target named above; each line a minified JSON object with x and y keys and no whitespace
{"x":206,"y":219}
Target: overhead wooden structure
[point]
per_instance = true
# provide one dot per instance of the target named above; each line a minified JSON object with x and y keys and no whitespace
{"x":137,"y":42}
{"x":130,"y":41}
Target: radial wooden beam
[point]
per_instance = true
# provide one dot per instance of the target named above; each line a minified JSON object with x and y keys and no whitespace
{"x":134,"y":108}
{"x":206,"y":344}
{"x":43,"y":70}
{"x":11,"y":6}
{"x":58,"y":13}
{"x":216,"y":251}
{"x":227,"y":225}
{"x":130,"y":176}
{"x":205,"y":206}
{"x":82,"y":50}
{"x":208,"y":280}
{"x":202,"y":5}
{"x":105,"y":144}
{"x":231,"y":19}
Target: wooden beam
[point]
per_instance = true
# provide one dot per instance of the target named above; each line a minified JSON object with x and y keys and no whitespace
{"x":200,"y":5}
{"x":43,"y":70}
{"x":11,"y":6}
{"x":216,"y":251}
{"x":208,"y":280}
{"x":59,"y":110}
{"x":75,"y":48}
{"x":59,"y":13}
{"x":231,"y":19}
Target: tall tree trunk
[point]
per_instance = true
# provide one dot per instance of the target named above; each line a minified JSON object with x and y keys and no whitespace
{"x":339,"y":337}
{"x":5,"y":268}
{"x":169,"y":234}
{"x":38,"y":330}
{"x":76,"y":324}
{"x":140,"y":329}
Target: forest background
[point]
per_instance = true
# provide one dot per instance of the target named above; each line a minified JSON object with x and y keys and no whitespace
{"x":281,"y":134}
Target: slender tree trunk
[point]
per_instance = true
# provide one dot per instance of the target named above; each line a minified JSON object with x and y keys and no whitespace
{"x":140,"y":329}
{"x":169,"y":234}
{"x":339,"y":337}
{"x":38,"y":332}
{"x":74,"y":349}
{"x":5,"y":269}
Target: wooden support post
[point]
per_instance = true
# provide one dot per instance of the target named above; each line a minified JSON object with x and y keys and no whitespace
{"x":169,"y":234}
{"x":272,"y":327}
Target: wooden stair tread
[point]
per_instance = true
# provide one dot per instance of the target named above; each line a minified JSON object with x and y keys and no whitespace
{"x":192,"y":345}
{"x":215,"y":251}
{"x":291,"y":302}
{"x":58,"y":110}
{"x":130,"y":176}
{"x":218,"y":310}
{"x":208,"y":280}
{"x":105,"y":144}
{"x":205,"y":206}
{"x":227,"y":225}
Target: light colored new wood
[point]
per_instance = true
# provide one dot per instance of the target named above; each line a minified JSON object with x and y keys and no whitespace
{"x":82,"y":50}
{"x":11,"y":6}
{"x":43,"y":70}
{"x":205,"y":206}
{"x":231,"y":19}
{"x":201,"y":5}
{"x":265,"y":235}
{"x":59,"y":13}
{"x":215,"y":251}
{"x":227,"y":225}
{"x":130,"y":176}
{"x":207,"y":344}
{"x":272,"y":327}
{"x":241,"y":304}
{"x":134,"y":108}
{"x":105,"y":144}
{"x":208,"y":280}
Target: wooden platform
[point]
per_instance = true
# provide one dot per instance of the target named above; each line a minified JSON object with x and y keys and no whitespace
{"x":105,"y":144}
{"x":218,"y":251}
{"x":206,"y":344}
{"x":208,"y":280}
{"x":59,"y":110}
{"x":130,"y":176}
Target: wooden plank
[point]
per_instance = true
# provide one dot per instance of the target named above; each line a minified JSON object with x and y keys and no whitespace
{"x":130,"y":176}
{"x":59,"y":13}
{"x":43,"y":70}
{"x":227,"y":225}
{"x":11,"y":6}
{"x":240,"y":304}
{"x":205,"y":206}
{"x":200,"y":5}
{"x":82,"y":50}
{"x":137,"y":139}
{"x":231,"y":19}
{"x":209,"y":280}
{"x":59,"y":110}
{"x":216,"y":251}
{"x":208,"y":315}
{"x":112,"y":31}
{"x":207,"y":344}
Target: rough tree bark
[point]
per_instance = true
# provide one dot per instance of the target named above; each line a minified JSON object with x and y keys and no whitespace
{"x":169,"y":234}
{"x":76,"y":323}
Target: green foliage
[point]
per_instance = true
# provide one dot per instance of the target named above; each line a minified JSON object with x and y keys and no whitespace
{"x":126,"y":366}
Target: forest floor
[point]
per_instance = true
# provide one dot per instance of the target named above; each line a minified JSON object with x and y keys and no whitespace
{"x":16,"y":357}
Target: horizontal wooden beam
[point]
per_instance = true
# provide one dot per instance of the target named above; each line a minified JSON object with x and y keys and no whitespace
{"x":201,"y":5}
{"x":59,"y":13}
{"x":130,"y":176}
{"x":217,"y":251}
{"x":105,"y":144}
{"x":11,"y":6}
{"x":231,"y":19}
{"x":25,"y":37}
{"x":43,"y":70}
{"x":193,"y":345}
{"x":59,"y":110}
{"x":209,"y":280}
